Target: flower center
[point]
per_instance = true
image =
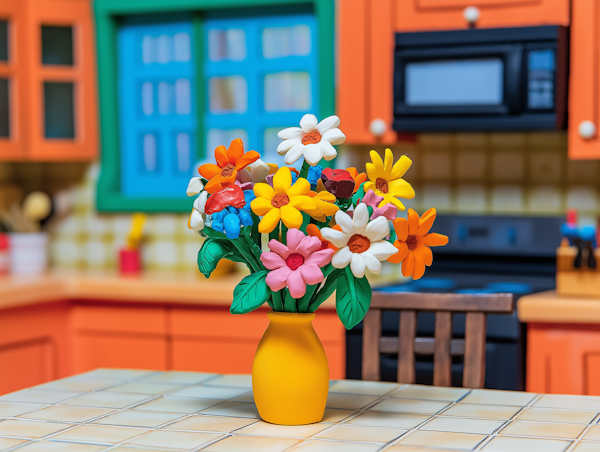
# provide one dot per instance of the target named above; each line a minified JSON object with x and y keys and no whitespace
{"x":280,"y":200}
{"x":359,"y":243}
{"x":381,"y":185}
{"x":294,"y":261}
{"x":411,"y":241}
{"x":227,"y":170}
{"x":313,"y":137}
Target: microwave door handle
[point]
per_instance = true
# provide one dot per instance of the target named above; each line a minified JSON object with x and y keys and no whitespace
{"x":512,"y":85}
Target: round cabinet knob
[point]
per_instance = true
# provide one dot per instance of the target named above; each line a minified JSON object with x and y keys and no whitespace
{"x":471,"y":14}
{"x":378,"y":127}
{"x":587,"y":130}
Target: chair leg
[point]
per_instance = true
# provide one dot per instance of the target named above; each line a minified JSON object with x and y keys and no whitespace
{"x":406,"y":347}
{"x":474,"y":367}
{"x":371,"y":340}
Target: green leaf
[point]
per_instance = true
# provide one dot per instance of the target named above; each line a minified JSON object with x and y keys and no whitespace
{"x":214,"y":234}
{"x":250,"y":293}
{"x":289,"y":303}
{"x":360,"y":193}
{"x":256,"y":236}
{"x":326,"y":290}
{"x":304,"y":302}
{"x":252,"y":245}
{"x":212,"y":251}
{"x":277,"y":301}
{"x":352,"y":299}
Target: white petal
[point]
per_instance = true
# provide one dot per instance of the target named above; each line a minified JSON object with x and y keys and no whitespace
{"x":313,"y":153}
{"x":291,"y":132}
{"x":195,"y":186}
{"x":377,"y":229}
{"x":382,"y":250}
{"x":371,"y":262}
{"x":328,"y":123}
{"x":308,"y":123}
{"x":358,"y":266}
{"x":329,"y":152}
{"x":260,"y":170}
{"x":197,"y":222}
{"x":294,"y":154}
{"x":345,"y":222}
{"x":286,"y":145}
{"x":341,"y":258}
{"x":338,"y":238}
{"x":361,"y":218}
{"x":245,"y":176}
{"x":334,"y":136}
{"x":200,"y":202}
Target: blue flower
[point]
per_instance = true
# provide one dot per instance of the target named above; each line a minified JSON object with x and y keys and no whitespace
{"x":314,"y":174}
{"x":231,"y":220}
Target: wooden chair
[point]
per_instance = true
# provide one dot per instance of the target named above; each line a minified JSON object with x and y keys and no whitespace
{"x":442,"y":346}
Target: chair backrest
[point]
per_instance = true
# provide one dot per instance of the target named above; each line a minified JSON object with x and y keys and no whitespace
{"x":442,"y":346}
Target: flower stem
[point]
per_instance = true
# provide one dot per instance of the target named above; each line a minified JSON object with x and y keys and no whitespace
{"x":304,"y":169}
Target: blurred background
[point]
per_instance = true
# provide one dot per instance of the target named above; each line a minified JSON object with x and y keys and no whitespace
{"x":108,"y":107}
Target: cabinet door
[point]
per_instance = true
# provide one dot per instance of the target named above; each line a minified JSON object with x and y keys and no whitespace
{"x":427,"y":15}
{"x":30,"y":364}
{"x":584,"y":81}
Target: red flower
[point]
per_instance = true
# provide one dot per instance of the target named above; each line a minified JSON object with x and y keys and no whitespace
{"x":231,"y":196}
{"x":338,"y":182}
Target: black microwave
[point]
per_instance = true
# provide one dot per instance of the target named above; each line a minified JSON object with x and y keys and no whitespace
{"x":496,"y":79}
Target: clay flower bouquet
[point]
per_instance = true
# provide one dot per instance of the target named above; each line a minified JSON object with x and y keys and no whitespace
{"x":325,"y":228}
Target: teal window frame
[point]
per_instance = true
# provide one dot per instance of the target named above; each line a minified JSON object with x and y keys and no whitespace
{"x":108,"y":14}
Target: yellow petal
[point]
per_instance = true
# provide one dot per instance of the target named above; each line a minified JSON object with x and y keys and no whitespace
{"x":263,"y":190}
{"x":372,"y":172}
{"x":302,"y":203}
{"x":326,"y":196}
{"x":300,"y":187}
{"x":269,"y":221}
{"x":261,"y":206}
{"x":282,"y":181}
{"x":291,"y":217}
{"x":389,"y":199}
{"x":377,"y":162}
{"x":400,"y":167}
{"x":320,"y":186}
{"x":401,"y":189}
{"x":370,"y":186}
{"x":389,"y":163}
{"x":327,"y":208}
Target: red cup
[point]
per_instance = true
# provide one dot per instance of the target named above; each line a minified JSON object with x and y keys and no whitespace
{"x":129,"y":261}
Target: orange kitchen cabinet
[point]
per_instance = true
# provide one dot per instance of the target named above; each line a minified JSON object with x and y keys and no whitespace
{"x":210,"y":339}
{"x":119,"y":336}
{"x":34,"y":345}
{"x":366,"y":39}
{"x":584,"y":81}
{"x":563,"y":358}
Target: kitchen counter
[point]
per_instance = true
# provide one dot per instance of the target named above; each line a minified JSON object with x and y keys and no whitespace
{"x":549,"y":307}
{"x":152,"y":286}
{"x":110,"y":409}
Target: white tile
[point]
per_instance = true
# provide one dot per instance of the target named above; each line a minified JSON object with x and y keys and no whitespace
{"x":410,"y":406}
{"x":502,"y":444}
{"x":455,"y":424}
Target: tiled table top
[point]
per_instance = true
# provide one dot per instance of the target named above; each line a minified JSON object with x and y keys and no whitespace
{"x":132,"y":410}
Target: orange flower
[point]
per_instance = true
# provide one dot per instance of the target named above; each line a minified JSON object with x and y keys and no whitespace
{"x":359,"y":178}
{"x":314,"y":231}
{"x":229,"y":162}
{"x":413,"y":242}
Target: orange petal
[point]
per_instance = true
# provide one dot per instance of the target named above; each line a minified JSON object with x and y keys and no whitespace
{"x":214,"y":184}
{"x":419,"y":269}
{"x":190,"y":220}
{"x":314,"y":231}
{"x":246,"y":159}
{"x":209,"y":170}
{"x":408,"y":265}
{"x":433,"y":239}
{"x":413,"y":222}
{"x":401,"y":254}
{"x":229,"y":180}
{"x":235,"y":151}
{"x":401,"y":228}
{"x":353,"y":172}
{"x":424,"y":253}
{"x":426,"y":221}
{"x":221,"y":156}
{"x":359,"y":180}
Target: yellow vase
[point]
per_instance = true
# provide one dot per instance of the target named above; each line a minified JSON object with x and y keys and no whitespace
{"x":290,"y":375}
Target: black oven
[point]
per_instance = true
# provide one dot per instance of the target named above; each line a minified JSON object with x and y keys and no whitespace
{"x":481,"y":80}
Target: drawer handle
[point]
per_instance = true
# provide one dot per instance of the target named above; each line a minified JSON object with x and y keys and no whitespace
{"x":471,"y":14}
{"x":587,"y":130}
{"x":378,"y":127}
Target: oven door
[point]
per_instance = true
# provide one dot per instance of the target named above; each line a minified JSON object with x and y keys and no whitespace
{"x":460,"y":80}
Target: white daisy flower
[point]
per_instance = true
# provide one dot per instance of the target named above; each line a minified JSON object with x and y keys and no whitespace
{"x":361,"y":242}
{"x":195,"y":186}
{"x":197,"y":218}
{"x":312,"y":139}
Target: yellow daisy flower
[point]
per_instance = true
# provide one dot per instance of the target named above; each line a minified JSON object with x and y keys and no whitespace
{"x":325,"y":205}
{"x":283,"y":201}
{"x":385,"y":179}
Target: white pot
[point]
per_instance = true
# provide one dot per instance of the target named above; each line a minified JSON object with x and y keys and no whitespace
{"x":28,"y":253}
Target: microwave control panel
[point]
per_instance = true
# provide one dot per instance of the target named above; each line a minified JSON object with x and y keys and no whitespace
{"x":540,"y":83}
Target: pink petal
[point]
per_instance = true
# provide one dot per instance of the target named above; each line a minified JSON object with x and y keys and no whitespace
{"x":320,"y":258}
{"x":388,"y":211}
{"x":279,"y":248}
{"x":296,"y":284}
{"x":277,"y":279}
{"x":371,"y":199}
{"x":308,"y":245}
{"x":294,"y":237}
{"x":311,"y":274}
{"x":272,"y":261}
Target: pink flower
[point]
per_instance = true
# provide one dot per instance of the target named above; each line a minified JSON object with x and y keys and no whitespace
{"x":388,"y":211}
{"x":297,"y":264}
